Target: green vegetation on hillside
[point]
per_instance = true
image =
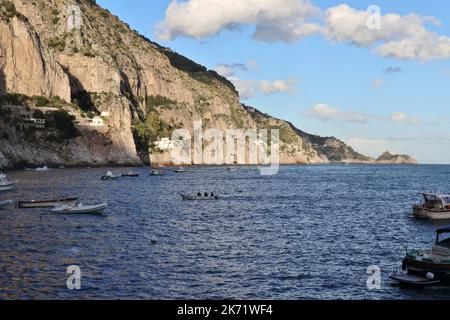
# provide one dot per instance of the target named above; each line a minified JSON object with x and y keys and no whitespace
{"x":59,"y":125}
{"x":159,"y":101}
{"x":197,"y":71}
{"x":152,"y":129}
{"x":8,"y":11}
{"x":14,"y":99}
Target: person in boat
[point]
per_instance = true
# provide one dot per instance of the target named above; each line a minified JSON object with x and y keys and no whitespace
{"x":199,"y":194}
{"x":212,"y":195}
{"x":206,"y":195}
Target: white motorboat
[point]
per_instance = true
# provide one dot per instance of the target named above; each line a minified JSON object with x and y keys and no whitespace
{"x":5,"y":184}
{"x":156,"y":172}
{"x":44,"y":168}
{"x":435,"y":206}
{"x":199,"y":197}
{"x":7,"y":203}
{"x":109,"y":176}
{"x":80,"y":209}
{"x":179,"y":170}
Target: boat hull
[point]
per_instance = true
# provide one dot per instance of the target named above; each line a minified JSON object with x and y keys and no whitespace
{"x":7,"y":203}
{"x":7,"y":187}
{"x":420,"y":212}
{"x":196,"y":198}
{"x":47,"y":204}
{"x":441,"y":271}
{"x":97,"y":209}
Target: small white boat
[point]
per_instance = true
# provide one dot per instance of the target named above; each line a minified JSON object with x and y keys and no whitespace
{"x":81,"y":209}
{"x":109,"y":176}
{"x":199,"y":198}
{"x":7,"y":203}
{"x":43,"y":168}
{"x":231,"y":169}
{"x":156,"y":172}
{"x":435,"y":207}
{"x":5,"y":184}
{"x":179,"y":170}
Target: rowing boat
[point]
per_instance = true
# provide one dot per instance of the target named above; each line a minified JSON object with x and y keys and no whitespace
{"x":198,"y":198}
{"x":47,"y":203}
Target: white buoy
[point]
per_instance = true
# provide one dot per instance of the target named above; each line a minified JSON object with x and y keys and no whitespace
{"x":430,"y":276}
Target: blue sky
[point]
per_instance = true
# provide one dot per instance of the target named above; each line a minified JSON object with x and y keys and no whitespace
{"x":334,"y":85}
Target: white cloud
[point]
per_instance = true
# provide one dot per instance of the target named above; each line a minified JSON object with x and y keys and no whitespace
{"x":229,"y":70}
{"x":325,"y":113}
{"x":268,"y":87}
{"x":377,"y":83}
{"x":202,"y":18}
{"x":427,"y":46}
{"x":402,"y":37}
{"x":250,"y":88}
{"x":247,"y":88}
{"x":401,"y":117}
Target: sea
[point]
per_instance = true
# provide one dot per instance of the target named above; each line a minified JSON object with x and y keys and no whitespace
{"x":308,"y":232}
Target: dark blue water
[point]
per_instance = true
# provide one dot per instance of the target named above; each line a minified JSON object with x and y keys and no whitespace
{"x":309,"y":232}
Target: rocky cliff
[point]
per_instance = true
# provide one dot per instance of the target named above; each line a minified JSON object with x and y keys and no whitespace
{"x":389,"y":158}
{"x":117,"y":92}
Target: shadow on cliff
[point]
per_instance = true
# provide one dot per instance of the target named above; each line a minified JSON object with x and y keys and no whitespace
{"x":79,"y":95}
{"x":2,"y":82}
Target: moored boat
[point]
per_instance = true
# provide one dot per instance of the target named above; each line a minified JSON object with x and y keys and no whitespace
{"x":7,"y":203}
{"x":156,"y":172}
{"x":179,"y":170}
{"x":80,"y":209}
{"x":130,"y":175}
{"x":199,"y":197}
{"x":5,"y":184}
{"x":427,"y":267}
{"x":46,"y":203}
{"x":435,"y":206}
{"x":109,"y":176}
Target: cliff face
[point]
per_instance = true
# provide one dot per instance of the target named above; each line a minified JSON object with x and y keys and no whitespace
{"x":26,"y":66}
{"x":122,"y":92}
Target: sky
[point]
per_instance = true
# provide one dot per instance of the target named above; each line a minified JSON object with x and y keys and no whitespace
{"x":378,"y":78}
